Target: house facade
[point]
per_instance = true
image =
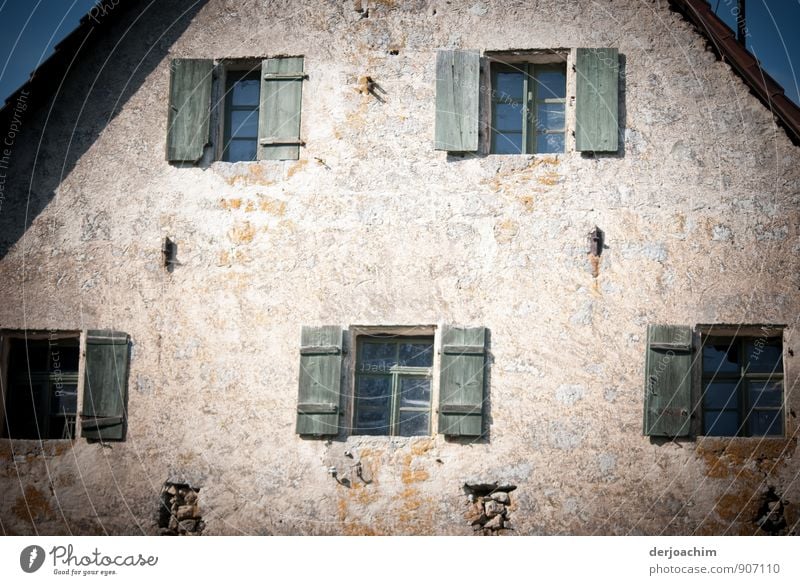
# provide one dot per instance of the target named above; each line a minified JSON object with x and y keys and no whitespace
{"x":416,"y":267}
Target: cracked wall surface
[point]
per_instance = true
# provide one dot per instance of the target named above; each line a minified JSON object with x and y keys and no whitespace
{"x":371,"y":226}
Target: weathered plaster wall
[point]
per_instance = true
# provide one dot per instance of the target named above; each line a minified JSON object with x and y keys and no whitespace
{"x":372,"y":226}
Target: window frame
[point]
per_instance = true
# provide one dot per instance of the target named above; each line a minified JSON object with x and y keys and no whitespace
{"x":530,"y":58}
{"x":742,"y":335}
{"x":228,"y":109}
{"x":6,"y":335}
{"x":350,"y":370}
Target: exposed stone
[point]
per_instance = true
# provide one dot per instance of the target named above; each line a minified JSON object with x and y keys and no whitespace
{"x":495,"y":523}
{"x":493,"y":508}
{"x":501,"y":497}
{"x":185,"y":512}
{"x":187,"y":525}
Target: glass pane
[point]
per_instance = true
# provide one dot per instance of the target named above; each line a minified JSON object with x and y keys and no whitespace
{"x":550,"y":83}
{"x":723,"y":423}
{"x":549,"y":143}
{"x":508,"y":117}
{"x":765,"y":422}
{"x":377,"y":357}
{"x":766,"y":394}
{"x":241,"y":150}
{"x":764,"y":355}
{"x":244,"y":124}
{"x":721,"y":357}
{"x":245,"y":92}
{"x":417,"y":355}
{"x":508,"y":86}
{"x":509,"y":143}
{"x":414,"y":423}
{"x":65,"y":399}
{"x":415,"y":392}
{"x":721,"y":395}
{"x":373,"y":422}
{"x":374,"y":390}
{"x":550,"y":117}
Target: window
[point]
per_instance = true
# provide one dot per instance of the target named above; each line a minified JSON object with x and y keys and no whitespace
{"x":42,"y":387}
{"x":742,"y":386}
{"x":391,"y":380}
{"x":393,"y":385}
{"x":256,"y":109}
{"x":528,"y":107}
{"x":525,"y":95}
{"x":242,"y":92}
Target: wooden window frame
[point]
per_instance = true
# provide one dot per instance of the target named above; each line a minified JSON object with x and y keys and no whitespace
{"x":529,"y":60}
{"x":357,"y":334}
{"x":231,"y":77}
{"x":741,"y":336}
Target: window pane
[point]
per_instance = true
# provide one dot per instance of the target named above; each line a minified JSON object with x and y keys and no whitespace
{"x":508,"y":117}
{"x":413,"y":423}
{"x":721,"y":395}
{"x":723,"y":423}
{"x":245,"y":92}
{"x":549,"y":143}
{"x":65,"y":399}
{"x":417,"y":355}
{"x":415,"y":392}
{"x":765,"y":422}
{"x":766,"y":394}
{"x":550,"y":83}
{"x":377,"y":357}
{"x":721,"y":357}
{"x":244,"y":124}
{"x":508,"y":86}
{"x":374,"y":391}
{"x":241,"y":150}
{"x":509,"y":143}
{"x":764,"y":355}
{"x":373,"y":422}
{"x":550,"y":117}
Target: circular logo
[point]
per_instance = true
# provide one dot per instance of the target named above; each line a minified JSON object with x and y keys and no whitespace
{"x":31,"y":558}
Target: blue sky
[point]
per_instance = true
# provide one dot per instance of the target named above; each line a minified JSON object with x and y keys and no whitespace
{"x":29,"y":29}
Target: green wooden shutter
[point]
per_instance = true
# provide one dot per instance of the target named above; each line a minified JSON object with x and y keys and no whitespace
{"x":105,"y":390}
{"x":597,"y":107}
{"x":189,"y":109}
{"x":457,"y":95}
{"x":320,"y":380}
{"x":668,"y":381}
{"x":279,"y":116}
{"x":461,"y":382}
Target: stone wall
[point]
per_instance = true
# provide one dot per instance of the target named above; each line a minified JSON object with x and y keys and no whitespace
{"x":373,"y":227}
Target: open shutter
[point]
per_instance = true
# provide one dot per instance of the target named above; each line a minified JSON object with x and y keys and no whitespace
{"x":457,"y":93}
{"x":461,"y":383}
{"x":279,"y":115}
{"x":668,"y":381}
{"x":189,"y":109}
{"x":105,"y":391}
{"x":320,"y":379}
{"x":597,"y":107}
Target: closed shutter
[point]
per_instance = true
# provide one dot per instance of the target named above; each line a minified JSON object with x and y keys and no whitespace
{"x":320,"y":380}
{"x":597,"y":107}
{"x":457,"y":95}
{"x":668,"y":381}
{"x":461,"y":391}
{"x":189,"y":109}
{"x":279,"y":116}
{"x":105,"y":392}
